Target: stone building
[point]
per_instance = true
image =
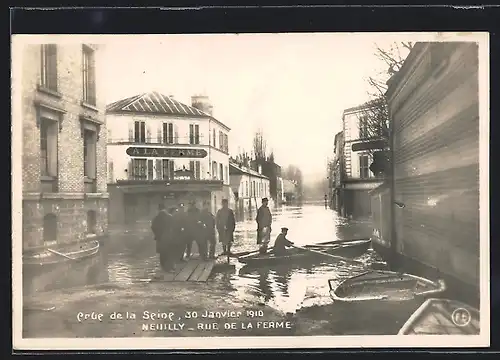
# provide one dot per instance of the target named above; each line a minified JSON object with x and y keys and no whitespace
{"x":163,"y":151}
{"x":64,"y":144}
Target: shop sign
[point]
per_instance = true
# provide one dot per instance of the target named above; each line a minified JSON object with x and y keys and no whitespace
{"x":166,"y":152}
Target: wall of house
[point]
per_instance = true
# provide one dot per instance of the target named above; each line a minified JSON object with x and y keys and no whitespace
{"x":436,"y":162}
{"x":70,"y":204}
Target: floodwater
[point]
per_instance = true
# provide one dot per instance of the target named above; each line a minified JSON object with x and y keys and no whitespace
{"x":129,"y":256}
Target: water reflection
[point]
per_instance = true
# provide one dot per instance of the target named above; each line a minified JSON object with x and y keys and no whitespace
{"x":129,"y":256}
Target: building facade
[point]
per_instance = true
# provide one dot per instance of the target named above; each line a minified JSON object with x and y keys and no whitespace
{"x":434,"y":101}
{"x":353,"y":174}
{"x":161,"y":150}
{"x":65,"y":196}
{"x":248,"y":186}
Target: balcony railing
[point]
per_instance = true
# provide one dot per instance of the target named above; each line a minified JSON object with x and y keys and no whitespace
{"x":161,"y":141}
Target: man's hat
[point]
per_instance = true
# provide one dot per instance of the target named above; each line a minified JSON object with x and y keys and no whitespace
{"x":265,"y":199}
{"x":284,"y":228}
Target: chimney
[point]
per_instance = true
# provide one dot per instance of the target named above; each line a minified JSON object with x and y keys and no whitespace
{"x":260,"y":169}
{"x":171,"y":96}
{"x":202,"y":102}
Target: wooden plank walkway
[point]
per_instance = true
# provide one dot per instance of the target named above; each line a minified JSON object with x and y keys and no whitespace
{"x":194,"y":270}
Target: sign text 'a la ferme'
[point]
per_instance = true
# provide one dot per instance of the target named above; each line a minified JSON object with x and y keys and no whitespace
{"x":166,"y":152}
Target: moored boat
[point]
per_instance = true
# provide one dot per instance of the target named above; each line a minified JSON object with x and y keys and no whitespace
{"x":342,"y":250}
{"x":442,"y":317}
{"x":73,"y":252}
{"x":384,"y":285}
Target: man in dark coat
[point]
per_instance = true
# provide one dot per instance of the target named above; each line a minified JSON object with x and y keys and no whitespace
{"x":194,"y":231}
{"x":180,"y":232}
{"x":281,"y":242}
{"x":162,"y":230}
{"x":264,"y":219}
{"x":225,"y":223}
{"x":208,"y":221}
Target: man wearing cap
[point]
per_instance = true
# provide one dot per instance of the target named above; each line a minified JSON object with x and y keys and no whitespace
{"x":264,"y":220}
{"x":225,"y":223}
{"x":208,"y":221}
{"x":180,"y":230}
{"x":194,"y":231}
{"x":281,"y":242}
{"x":162,"y":230}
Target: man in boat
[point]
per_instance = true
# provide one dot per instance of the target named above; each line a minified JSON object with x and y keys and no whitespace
{"x":264,"y":220}
{"x":281,"y":243}
{"x":208,"y":221}
{"x":225,"y":223}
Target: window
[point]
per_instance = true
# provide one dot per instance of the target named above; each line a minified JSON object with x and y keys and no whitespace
{"x":168,"y":169}
{"x":194,"y":134}
{"x":226,"y":142}
{"x":49,"y":66}
{"x":221,"y":171}
{"x":91,"y":222}
{"x":49,"y":228}
{"x":139,"y":169}
{"x":48,"y":147}
{"x":363,"y":127}
{"x":89,"y":91}
{"x":89,"y":154}
{"x":150,"y":170}
{"x":221,"y":141}
{"x":364,"y":171}
{"x":140,"y":132}
{"x":213,"y":138}
{"x":246,"y":188}
{"x":195,"y":168}
{"x":168,"y":133}
{"x":214,"y":170}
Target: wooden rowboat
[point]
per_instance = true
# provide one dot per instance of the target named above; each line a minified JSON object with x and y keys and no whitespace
{"x":344,"y":249}
{"x":384,"y":285}
{"x":74,"y":252}
{"x":442,"y":317}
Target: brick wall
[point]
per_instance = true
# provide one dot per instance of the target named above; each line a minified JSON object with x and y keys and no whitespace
{"x":69,"y":204}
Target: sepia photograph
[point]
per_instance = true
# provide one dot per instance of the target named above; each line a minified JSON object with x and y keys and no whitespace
{"x":217,"y":191}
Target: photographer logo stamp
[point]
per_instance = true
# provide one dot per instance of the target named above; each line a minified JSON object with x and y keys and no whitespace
{"x":461,"y":317}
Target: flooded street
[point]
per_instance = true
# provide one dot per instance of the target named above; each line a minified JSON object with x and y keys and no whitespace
{"x":128,"y":257}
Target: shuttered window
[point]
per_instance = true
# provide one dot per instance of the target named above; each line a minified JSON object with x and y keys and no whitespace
{"x":89,"y":154}
{"x":48,"y":147}
{"x":89,"y":86}
{"x":140,"y":132}
{"x":49,"y":66}
{"x":364,"y":171}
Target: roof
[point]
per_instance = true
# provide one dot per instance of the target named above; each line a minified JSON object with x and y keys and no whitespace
{"x":236,"y":169}
{"x":154,"y":103}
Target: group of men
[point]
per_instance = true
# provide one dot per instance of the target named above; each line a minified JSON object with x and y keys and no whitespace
{"x":175,"y":231}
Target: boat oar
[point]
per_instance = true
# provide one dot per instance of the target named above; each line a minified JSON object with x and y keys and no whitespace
{"x":339,"y":258}
{"x":61,"y":254}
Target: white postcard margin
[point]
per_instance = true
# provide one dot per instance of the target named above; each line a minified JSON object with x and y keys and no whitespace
{"x":191,"y":343}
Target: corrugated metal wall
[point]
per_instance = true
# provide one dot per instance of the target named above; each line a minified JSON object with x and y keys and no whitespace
{"x":436,"y":162}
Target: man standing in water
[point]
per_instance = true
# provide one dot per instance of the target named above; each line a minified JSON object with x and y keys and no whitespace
{"x":193,"y":228}
{"x":225,"y":223}
{"x":208,"y":221}
{"x":264,"y":220}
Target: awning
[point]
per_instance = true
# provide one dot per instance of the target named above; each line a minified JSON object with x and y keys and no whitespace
{"x":187,"y":186}
{"x":369,"y":145}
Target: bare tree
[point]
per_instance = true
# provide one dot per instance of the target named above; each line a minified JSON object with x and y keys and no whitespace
{"x":259,"y":146}
{"x":374,"y":118}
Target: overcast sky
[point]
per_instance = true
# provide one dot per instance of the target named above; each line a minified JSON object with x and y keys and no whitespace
{"x":293,"y":86}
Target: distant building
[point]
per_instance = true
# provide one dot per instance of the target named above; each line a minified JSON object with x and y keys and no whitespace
{"x":290,"y":190}
{"x":65,"y":198}
{"x":161,"y":150}
{"x":354,"y":178}
{"x":248,"y":186}
{"x":336,"y":171}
